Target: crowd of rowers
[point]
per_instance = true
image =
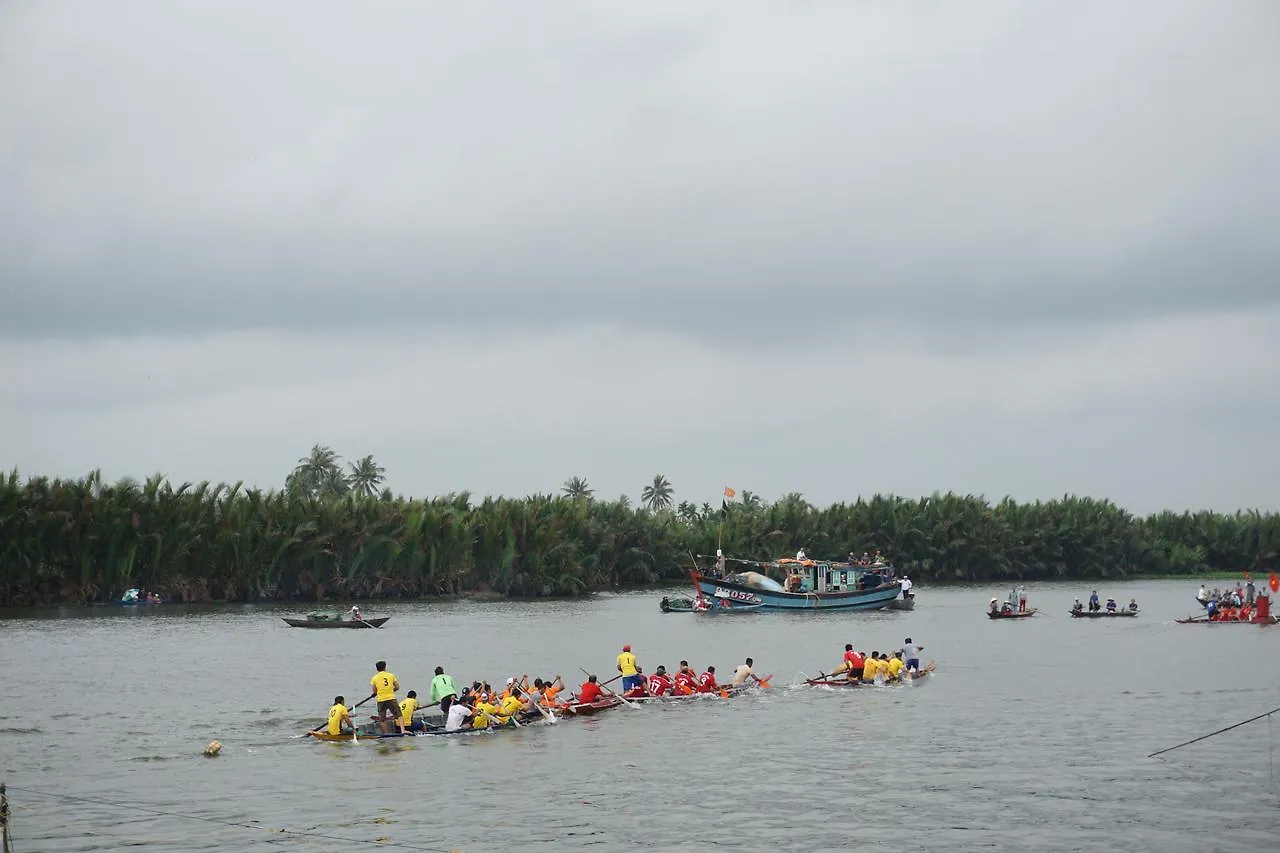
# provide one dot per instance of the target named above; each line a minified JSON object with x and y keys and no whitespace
{"x":857,"y":666}
{"x":481,"y":706}
{"x":1235,"y":605}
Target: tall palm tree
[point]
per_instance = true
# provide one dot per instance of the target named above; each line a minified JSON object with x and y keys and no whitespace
{"x":657,"y":495}
{"x":314,"y":471}
{"x":577,"y":488}
{"x":366,"y":476}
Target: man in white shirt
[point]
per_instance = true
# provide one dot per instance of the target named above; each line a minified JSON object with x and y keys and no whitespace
{"x":742,"y":673}
{"x":906,"y":585}
{"x":458,"y":714}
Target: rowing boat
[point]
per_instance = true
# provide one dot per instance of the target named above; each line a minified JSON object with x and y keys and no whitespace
{"x":1202,"y":620}
{"x":724,"y":691}
{"x":334,"y":623}
{"x":371,"y":731}
{"x":728,"y":608}
{"x":1031,"y":611}
{"x":586,"y":709}
{"x":835,"y":681}
{"x":1100,"y":614}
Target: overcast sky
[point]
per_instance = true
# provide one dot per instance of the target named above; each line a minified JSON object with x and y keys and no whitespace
{"x":1021,"y":248}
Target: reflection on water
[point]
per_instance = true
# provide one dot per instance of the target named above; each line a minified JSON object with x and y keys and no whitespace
{"x":1031,"y":735}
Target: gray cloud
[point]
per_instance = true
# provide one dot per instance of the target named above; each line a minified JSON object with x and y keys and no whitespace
{"x":835,"y":248}
{"x":996,"y":166}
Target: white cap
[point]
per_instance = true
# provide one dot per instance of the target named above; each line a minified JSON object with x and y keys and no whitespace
{"x":719,"y":553}
{"x":511,"y":681}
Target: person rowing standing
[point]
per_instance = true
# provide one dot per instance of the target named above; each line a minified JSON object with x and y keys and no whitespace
{"x":742,"y":673}
{"x":385,"y":686}
{"x":911,"y":655}
{"x":443,"y":691}
{"x":629,"y":669}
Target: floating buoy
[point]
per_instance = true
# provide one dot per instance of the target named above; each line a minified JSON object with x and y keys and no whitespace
{"x":212,"y":749}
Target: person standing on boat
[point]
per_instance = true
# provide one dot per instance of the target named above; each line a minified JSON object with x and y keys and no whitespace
{"x":630,"y":671}
{"x":911,"y":654}
{"x":1250,"y":592}
{"x":340,"y":718}
{"x":742,"y":673}
{"x":1094,"y":606}
{"x":443,"y":691}
{"x":385,"y":685}
{"x":800,"y":555}
{"x":1022,"y":599}
{"x":719,"y":563}
{"x":1203,"y":595}
{"x":906,"y":585}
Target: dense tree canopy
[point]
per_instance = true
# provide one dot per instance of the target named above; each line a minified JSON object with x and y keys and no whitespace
{"x":87,"y":540}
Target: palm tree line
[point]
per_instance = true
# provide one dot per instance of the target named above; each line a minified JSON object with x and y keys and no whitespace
{"x":335,"y":532}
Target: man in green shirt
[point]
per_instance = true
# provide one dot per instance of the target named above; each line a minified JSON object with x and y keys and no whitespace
{"x":442,"y":691}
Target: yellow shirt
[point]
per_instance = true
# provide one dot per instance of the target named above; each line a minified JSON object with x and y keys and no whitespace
{"x":627,"y":662}
{"x":869,"y":669}
{"x":407,"y":707}
{"x":484,"y":715}
{"x":511,"y":705}
{"x":386,"y":685}
{"x":337,"y":714}
{"x":895,"y":666}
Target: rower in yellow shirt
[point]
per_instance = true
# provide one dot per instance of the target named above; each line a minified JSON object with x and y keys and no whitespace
{"x":486,"y":714}
{"x":407,"y":707}
{"x":870,"y":667}
{"x":510,"y":706}
{"x":340,"y":715}
{"x":895,"y":666}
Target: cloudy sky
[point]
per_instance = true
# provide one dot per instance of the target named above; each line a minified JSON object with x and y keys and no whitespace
{"x":836,"y":248}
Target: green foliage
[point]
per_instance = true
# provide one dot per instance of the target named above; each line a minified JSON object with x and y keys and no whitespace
{"x":84,"y":540}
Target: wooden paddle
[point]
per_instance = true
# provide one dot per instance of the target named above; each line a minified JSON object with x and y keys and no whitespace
{"x":543,"y":711}
{"x":353,"y":707}
{"x":362,"y":622}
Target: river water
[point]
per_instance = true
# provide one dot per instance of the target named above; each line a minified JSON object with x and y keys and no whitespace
{"x":1031,"y":735}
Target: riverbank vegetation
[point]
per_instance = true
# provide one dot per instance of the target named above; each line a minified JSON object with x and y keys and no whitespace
{"x":336,"y":535}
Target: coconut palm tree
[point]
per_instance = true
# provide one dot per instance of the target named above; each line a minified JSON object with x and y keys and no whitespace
{"x":657,"y":495}
{"x":314,"y":472}
{"x":366,"y":476}
{"x":577,"y":488}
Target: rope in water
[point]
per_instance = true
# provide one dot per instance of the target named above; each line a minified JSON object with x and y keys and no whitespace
{"x":238,"y":824}
{"x":1218,"y":732}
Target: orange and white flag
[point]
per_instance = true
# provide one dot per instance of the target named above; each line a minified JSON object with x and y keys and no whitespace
{"x":728,"y":492}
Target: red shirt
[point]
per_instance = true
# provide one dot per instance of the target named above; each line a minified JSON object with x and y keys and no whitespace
{"x":687,"y":680}
{"x":658,"y":685}
{"x":854,"y":660}
{"x":707,"y":682}
{"x":589,"y":692}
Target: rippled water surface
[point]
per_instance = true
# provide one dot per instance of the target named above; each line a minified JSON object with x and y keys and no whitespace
{"x":1032,"y":734}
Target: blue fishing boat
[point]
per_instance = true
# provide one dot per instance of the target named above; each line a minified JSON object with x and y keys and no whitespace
{"x":811,"y":585}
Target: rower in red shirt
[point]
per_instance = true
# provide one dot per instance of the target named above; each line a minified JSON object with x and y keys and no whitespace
{"x":659,"y":682}
{"x":852,"y":664}
{"x":686,"y":680}
{"x":589,"y":691}
{"x":707,"y":682}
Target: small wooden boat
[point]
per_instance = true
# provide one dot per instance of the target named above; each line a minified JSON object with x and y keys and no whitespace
{"x":675,"y":604}
{"x":310,"y":622}
{"x":907,"y":602}
{"x":723,"y":607}
{"x":1100,"y":614}
{"x":999,"y":614}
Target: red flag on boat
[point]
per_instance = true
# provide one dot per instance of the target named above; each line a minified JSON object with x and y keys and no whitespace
{"x":1274,"y":583}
